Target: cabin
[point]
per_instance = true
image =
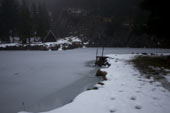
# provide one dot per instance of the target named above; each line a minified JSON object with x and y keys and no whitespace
{"x":50,"y":37}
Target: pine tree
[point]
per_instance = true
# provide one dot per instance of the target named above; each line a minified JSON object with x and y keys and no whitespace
{"x":25,"y":23}
{"x":43,"y":21}
{"x":8,"y":18}
{"x":157,"y":21}
{"x":1,"y":29}
{"x":34,"y":16}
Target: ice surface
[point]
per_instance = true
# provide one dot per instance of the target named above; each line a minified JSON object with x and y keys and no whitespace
{"x":43,"y":80}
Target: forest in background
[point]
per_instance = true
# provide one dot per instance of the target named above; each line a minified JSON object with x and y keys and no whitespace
{"x":110,"y":23}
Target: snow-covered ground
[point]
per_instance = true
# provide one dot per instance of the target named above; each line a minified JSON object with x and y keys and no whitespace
{"x":8,"y":44}
{"x":62,"y":43}
{"x":125,"y":91}
{"x":67,"y":40}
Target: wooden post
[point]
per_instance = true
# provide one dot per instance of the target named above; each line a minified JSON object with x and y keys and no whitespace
{"x":96,"y":52}
{"x":96,"y":55}
{"x":102,"y":51}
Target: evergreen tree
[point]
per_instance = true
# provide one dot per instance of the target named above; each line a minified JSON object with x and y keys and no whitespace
{"x":34,"y":16}
{"x":1,"y":23}
{"x":25,"y":23}
{"x":8,"y":19}
{"x":43,"y":21}
{"x":157,"y":21}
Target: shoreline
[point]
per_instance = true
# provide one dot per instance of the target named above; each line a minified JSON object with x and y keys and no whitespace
{"x":124,"y":91}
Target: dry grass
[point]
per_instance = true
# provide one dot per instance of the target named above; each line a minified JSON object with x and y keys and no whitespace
{"x":154,"y":66}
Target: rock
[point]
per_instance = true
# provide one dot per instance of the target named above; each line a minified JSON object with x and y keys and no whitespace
{"x":101,"y":73}
{"x":101,"y":83}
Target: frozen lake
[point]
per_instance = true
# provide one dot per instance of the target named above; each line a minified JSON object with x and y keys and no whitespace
{"x":43,"y":80}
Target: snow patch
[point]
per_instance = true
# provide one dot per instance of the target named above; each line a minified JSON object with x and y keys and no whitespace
{"x":9,"y":45}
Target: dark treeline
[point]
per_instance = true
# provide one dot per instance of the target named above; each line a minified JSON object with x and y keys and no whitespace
{"x":112,"y":23}
{"x":157,"y":22}
{"x":19,"y":19}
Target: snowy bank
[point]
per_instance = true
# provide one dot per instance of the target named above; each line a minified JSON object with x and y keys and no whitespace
{"x":125,"y":91}
{"x":61,"y":44}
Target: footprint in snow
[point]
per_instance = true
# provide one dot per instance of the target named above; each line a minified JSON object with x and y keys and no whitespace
{"x":158,"y":85}
{"x":153,"y":89}
{"x":155,"y":98}
{"x":139,"y":87}
{"x":133,"y":98}
{"x":139,"y":79}
{"x":112,"y":98}
{"x":122,"y":84}
{"x":139,"y":76}
{"x":138,"y":107}
{"x":163,"y":91}
{"x":142,"y":84}
{"x":116,"y":61}
{"x":135,"y":74}
{"x":138,"y":91}
{"x":112,"y":110}
{"x":151,"y":82}
{"x":121,"y":91}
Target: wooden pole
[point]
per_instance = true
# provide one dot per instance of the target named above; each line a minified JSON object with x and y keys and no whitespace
{"x":96,"y":55}
{"x":102,"y":51}
{"x":96,"y":52}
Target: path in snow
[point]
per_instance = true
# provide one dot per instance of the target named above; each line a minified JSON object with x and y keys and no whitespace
{"x":132,"y":92}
